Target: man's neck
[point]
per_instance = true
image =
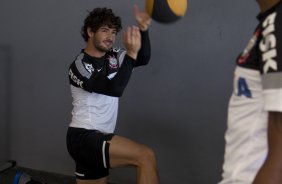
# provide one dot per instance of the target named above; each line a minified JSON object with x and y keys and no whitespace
{"x":266,"y":4}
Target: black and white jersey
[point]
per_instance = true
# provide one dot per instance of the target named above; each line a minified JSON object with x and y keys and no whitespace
{"x":97,"y":83}
{"x":257,"y":90}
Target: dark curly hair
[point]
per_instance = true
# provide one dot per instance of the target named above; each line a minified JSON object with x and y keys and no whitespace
{"x":99,"y":17}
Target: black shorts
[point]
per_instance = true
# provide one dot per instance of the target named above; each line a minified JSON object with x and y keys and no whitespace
{"x":90,"y":151}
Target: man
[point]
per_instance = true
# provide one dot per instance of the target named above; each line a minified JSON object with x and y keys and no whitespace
{"x":253,"y":152}
{"x":98,"y":77}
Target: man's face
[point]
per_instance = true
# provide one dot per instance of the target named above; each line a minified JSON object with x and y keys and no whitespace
{"x":104,"y":38}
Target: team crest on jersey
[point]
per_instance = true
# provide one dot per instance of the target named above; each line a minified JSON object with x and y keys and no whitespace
{"x":113,"y":63}
{"x":246,"y":53}
{"x":89,"y":67}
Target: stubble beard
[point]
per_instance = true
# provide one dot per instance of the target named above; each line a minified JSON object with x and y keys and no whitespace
{"x":100,"y":47}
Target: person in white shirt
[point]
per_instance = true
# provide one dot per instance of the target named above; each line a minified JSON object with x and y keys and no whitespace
{"x":253,"y":151}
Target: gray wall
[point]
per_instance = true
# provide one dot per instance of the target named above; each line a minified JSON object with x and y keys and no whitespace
{"x":4,"y":101}
{"x":177,"y":104}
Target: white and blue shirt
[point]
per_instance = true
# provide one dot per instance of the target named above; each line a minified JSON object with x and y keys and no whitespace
{"x":257,"y":90}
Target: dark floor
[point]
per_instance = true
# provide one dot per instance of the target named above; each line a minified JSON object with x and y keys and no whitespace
{"x":7,"y":176}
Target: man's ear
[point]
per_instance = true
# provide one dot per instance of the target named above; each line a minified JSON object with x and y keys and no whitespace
{"x":90,"y":32}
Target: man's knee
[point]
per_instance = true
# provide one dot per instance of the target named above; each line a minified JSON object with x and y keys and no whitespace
{"x":147,"y":156}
